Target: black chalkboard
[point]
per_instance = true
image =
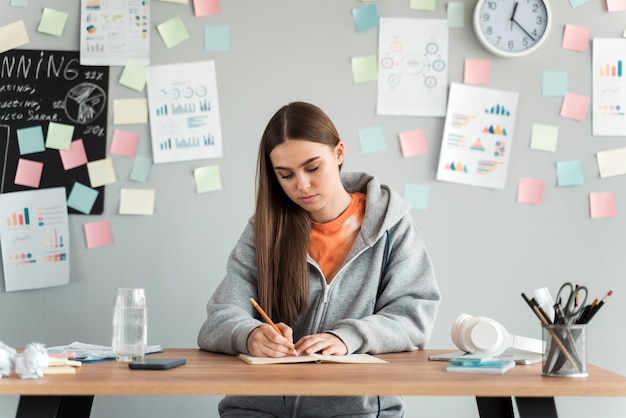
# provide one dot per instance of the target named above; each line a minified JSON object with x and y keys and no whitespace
{"x":39,"y":87}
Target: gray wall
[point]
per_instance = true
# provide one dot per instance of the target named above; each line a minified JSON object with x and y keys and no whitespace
{"x":486,"y":247}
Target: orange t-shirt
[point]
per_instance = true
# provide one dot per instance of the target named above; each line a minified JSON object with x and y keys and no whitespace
{"x":331,"y":241}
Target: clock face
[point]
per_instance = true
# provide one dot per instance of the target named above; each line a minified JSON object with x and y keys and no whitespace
{"x":512,"y":28}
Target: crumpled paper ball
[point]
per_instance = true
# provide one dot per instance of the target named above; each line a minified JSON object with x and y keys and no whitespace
{"x":32,"y":362}
{"x":7,"y":359}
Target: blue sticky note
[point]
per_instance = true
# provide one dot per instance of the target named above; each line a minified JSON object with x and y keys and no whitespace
{"x":569,"y":173}
{"x":216,"y":38}
{"x":141,"y":169}
{"x":30,"y":140}
{"x":416,"y":195}
{"x":82,"y":198}
{"x":19,"y":3}
{"x":577,"y":3}
{"x":456,"y":15}
{"x":365,"y":17}
{"x":372,"y":139}
{"x":554,"y":83}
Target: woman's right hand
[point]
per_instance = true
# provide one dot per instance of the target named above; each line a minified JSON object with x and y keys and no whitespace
{"x":264,"y":341}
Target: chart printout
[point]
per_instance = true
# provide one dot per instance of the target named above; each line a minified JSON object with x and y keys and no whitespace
{"x":609,"y":87}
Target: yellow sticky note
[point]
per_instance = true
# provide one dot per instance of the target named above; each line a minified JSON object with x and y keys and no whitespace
{"x":13,"y":36}
{"x":52,"y":22}
{"x":364,"y":69}
{"x":208,"y":179}
{"x":130,"y":111}
{"x":173,"y":32}
{"x":137,"y":201}
{"x":101,"y":172}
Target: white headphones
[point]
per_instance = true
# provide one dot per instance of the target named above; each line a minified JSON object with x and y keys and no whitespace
{"x":486,"y":337}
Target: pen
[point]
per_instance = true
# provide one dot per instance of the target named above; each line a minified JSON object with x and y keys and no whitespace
{"x":595,"y":310}
{"x":267,"y":318}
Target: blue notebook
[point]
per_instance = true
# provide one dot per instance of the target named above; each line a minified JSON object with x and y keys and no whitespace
{"x":485,"y":365}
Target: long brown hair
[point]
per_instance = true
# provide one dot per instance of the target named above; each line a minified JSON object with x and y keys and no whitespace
{"x":281,"y":227}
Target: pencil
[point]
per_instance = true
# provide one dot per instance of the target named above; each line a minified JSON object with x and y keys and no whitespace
{"x":267,"y":319}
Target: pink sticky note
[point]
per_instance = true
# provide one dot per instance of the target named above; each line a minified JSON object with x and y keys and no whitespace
{"x":75,"y":156}
{"x":124,"y":143}
{"x":98,"y":234}
{"x":616,"y":5}
{"x":206,"y":7}
{"x":476,"y":71}
{"x":575,"y":106}
{"x":28,"y":173}
{"x":530,"y":190}
{"x":602,"y":205}
{"x":575,"y":38}
{"x":413,"y":143}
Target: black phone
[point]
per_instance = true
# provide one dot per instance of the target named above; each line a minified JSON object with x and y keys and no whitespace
{"x":157,"y":363}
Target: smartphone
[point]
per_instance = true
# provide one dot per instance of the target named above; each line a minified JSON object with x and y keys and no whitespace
{"x":157,"y":363}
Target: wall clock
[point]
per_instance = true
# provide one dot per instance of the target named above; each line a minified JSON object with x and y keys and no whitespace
{"x":512,"y":28}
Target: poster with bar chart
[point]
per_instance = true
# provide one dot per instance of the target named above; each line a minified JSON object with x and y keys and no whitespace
{"x":184,"y":112}
{"x":477,"y":136}
{"x":34,"y":235}
{"x":609,"y":87}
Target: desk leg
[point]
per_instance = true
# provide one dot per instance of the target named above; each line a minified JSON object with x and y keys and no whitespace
{"x":536,"y":407}
{"x":54,"y":407}
{"x":495,"y":407}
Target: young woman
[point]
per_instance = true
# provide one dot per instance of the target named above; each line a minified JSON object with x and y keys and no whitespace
{"x":334,"y":259}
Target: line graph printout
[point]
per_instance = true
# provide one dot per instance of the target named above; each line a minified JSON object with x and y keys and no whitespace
{"x":184,"y":112}
{"x":412,"y":67}
{"x":609,"y":87}
{"x":34,"y":235}
{"x":477,"y":136}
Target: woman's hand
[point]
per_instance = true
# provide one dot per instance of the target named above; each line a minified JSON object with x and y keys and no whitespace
{"x":264,"y":341}
{"x":326,"y":344}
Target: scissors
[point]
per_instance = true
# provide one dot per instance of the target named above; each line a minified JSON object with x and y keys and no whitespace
{"x":574,"y":297}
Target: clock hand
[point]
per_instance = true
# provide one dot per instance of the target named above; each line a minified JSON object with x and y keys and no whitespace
{"x":524,"y":30}
{"x":512,"y":19}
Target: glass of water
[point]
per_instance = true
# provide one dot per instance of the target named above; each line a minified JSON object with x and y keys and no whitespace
{"x":130,"y":324}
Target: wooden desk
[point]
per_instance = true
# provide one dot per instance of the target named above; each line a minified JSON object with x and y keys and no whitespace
{"x":217,"y":374}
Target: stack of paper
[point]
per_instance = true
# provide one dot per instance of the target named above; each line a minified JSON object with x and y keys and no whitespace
{"x":59,"y":365}
{"x":480,"y":365}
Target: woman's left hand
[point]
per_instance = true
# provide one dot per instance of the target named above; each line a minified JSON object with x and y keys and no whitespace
{"x":325,"y":343}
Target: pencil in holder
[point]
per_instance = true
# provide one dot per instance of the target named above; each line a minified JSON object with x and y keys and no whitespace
{"x":565,"y":350}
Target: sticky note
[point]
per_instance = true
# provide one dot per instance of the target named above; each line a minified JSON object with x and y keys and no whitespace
{"x":141,"y":169}
{"x":137,"y":201}
{"x":75,"y":156}
{"x":216,"y":38}
{"x":364,"y":69}
{"x":569,"y":173}
{"x":530,"y":190}
{"x":30,"y":140}
{"x":52,"y":22}
{"x":19,"y":3}
{"x":124,"y":143}
{"x":98,"y":234}
{"x":544,"y":137}
{"x":554,"y":83}
{"x":427,"y":5}
{"x":616,"y":5}
{"x":413,"y":143}
{"x":476,"y":71}
{"x":134,"y":76}
{"x":365,"y":17}
{"x":175,"y":1}
{"x":417,"y":195}
{"x":101,"y":172}
{"x":602,"y":205}
{"x":206,"y":7}
{"x":575,"y":106}
{"x":28,"y":173}
{"x":575,"y":38}
{"x":207,"y":179}
{"x":612,"y":162}
{"x":13,"y":36}
{"x":578,"y":3}
{"x":173,"y":32}
{"x":130,"y":111}
{"x":372,"y":139}
{"x":82,"y":198}
{"x":455,"y":15}
{"x":59,"y":135}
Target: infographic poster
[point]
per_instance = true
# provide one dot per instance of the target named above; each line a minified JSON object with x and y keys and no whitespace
{"x":34,"y":235}
{"x":184,"y":112}
{"x":609,"y":87}
{"x":477,"y":136}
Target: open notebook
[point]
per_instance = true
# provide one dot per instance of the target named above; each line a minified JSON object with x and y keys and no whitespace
{"x":312,"y":358}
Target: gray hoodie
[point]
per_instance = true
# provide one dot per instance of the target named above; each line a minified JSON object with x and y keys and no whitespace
{"x":370,"y":310}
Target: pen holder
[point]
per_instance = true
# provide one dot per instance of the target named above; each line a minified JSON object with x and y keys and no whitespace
{"x":565,"y":350}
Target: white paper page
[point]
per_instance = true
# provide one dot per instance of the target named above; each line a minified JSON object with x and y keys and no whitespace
{"x":478,"y":136}
{"x":184,"y":112}
{"x":412,"y":67}
{"x":35,"y":240}
{"x":609,"y":87}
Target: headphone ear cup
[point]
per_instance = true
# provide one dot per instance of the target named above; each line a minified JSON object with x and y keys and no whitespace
{"x":457,"y":332}
{"x":487,"y":336}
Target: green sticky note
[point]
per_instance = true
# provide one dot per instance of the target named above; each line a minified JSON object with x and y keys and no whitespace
{"x":569,"y":173}
{"x":416,"y":195}
{"x":134,"y":76}
{"x":365,"y":17}
{"x":59,"y":136}
{"x":428,"y":5}
{"x":456,"y":15}
{"x":216,"y":38}
{"x":364,"y":69}
{"x":372,"y":139}
{"x":82,"y":198}
{"x":52,"y":22}
{"x":544,"y":137}
{"x":173,"y":32}
{"x":208,"y":179}
{"x":554,"y":83}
